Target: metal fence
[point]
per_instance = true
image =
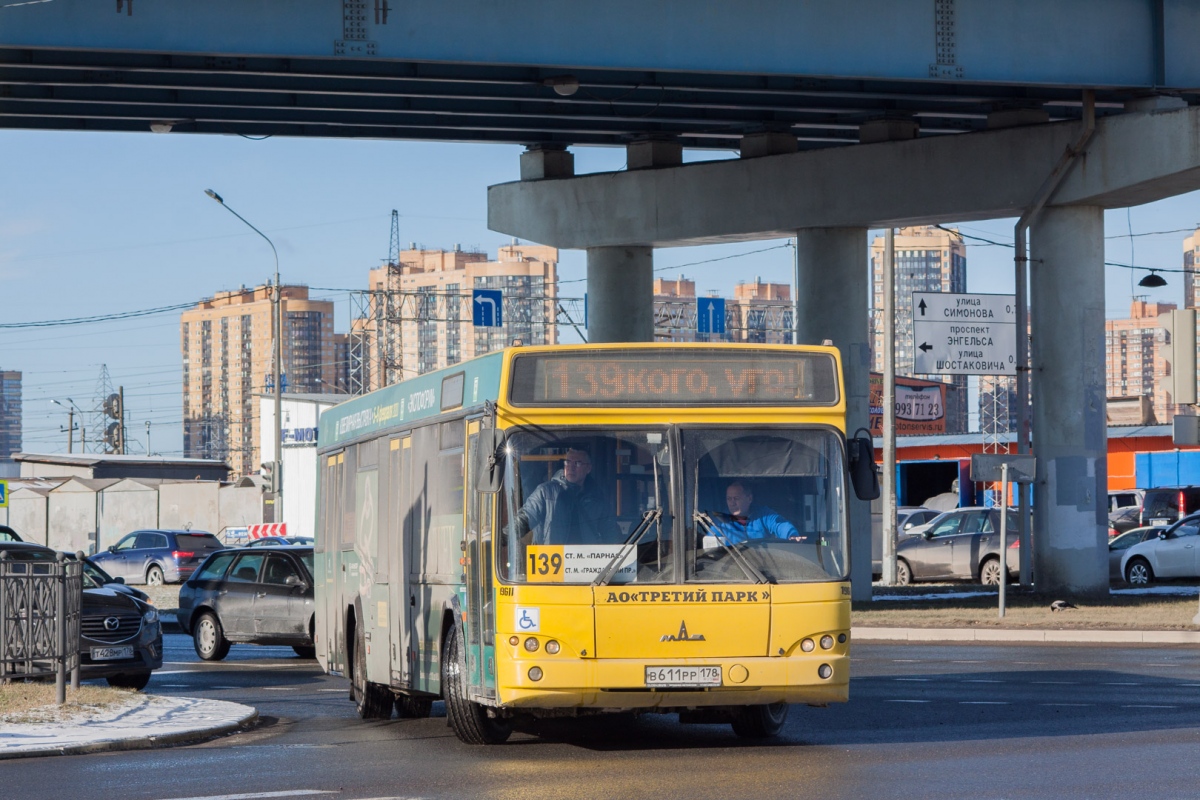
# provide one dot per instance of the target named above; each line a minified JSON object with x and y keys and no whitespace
{"x":39,"y":619}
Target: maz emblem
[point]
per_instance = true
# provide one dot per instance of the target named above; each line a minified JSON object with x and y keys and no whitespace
{"x":682,"y":636}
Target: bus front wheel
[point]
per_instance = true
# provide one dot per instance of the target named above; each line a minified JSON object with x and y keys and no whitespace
{"x":469,"y":720}
{"x":760,"y":722}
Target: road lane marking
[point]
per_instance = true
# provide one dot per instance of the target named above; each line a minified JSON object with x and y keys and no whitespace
{"x":276,"y":688}
{"x":905,"y":701}
{"x":258,"y":795}
{"x":915,"y":680}
{"x":1144,"y":705}
{"x":1120,"y":683}
{"x":980,"y":680}
{"x":984,"y":703}
{"x":1069,"y":705}
{"x":339,"y":691}
{"x":966,"y":662}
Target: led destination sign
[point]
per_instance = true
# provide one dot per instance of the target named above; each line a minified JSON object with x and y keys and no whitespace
{"x":674,"y":378}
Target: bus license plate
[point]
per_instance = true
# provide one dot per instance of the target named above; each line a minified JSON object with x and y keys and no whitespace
{"x":683,"y":676}
{"x":112,"y":653}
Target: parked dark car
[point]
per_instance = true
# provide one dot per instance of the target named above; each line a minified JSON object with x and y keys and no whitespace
{"x":156,"y":557}
{"x":1124,"y":519}
{"x":7,"y":534}
{"x":1118,"y":546}
{"x":120,"y":637}
{"x":281,"y":541}
{"x":1164,"y":505}
{"x":962,"y":544}
{"x":253,"y":595}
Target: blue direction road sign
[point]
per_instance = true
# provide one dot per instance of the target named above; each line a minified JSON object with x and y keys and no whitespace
{"x":3,"y":494}
{"x":710,"y":315}
{"x":487,"y":308}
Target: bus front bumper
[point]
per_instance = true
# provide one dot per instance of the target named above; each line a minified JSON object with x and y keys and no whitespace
{"x":621,"y":683}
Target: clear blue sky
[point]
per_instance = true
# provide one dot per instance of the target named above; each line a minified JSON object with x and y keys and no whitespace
{"x":102,"y":223}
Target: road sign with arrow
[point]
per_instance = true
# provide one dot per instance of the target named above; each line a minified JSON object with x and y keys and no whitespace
{"x":710,"y":315}
{"x":964,"y":334}
{"x":487,"y":307}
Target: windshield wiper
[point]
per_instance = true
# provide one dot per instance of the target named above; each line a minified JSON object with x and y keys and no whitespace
{"x":648,"y":518}
{"x":705,"y":521}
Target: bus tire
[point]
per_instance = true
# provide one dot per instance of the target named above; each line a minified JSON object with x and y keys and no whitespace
{"x":371,"y":700}
{"x":760,"y":722}
{"x":469,"y":720}
{"x":409,"y":707}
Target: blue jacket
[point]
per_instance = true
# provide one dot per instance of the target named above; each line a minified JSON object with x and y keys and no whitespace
{"x":763,"y":523}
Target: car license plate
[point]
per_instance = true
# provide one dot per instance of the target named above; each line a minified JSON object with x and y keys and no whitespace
{"x":683,"y":676}
{"x":112,"y":653}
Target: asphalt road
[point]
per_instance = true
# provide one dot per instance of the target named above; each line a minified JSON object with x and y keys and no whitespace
{"x":950,"y":721}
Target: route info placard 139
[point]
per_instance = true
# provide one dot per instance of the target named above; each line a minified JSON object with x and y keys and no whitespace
{"x":964,"y":334}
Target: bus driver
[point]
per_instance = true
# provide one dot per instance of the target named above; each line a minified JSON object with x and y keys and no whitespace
{"x":748,"y":520}
{"x":568,"y":508}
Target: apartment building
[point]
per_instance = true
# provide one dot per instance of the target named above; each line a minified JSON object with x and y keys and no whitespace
{"x":421,"y":316}
{"x":227,"y":360}
{"x":1133,"y":359}
{"x":928,"y":259}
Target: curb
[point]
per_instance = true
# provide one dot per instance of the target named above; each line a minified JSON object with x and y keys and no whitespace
{"x":140,"y":742}
{"x":997,"y":635}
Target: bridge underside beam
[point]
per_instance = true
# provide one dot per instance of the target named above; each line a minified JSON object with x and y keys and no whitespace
{"x":1132,"y":159}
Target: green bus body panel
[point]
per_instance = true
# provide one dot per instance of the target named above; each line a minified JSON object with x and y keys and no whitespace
{"x":409,"y":401}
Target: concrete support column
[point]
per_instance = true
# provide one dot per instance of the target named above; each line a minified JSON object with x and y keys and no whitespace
{"x":1070,"y":525}
{"x":831,"y":303}
{"x":620,"y":294}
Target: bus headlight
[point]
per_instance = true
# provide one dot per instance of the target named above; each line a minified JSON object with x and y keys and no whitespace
{"x":531,"y":644}
{"x":826,"y":642}
{"x":552,"y":647}
{"x":824,"y":671}
{"x":535,"y":673}
{"x":514,"y":640}
{"x":807,"y":645}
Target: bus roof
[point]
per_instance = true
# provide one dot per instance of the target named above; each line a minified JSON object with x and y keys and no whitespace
{"x":697,"y":374}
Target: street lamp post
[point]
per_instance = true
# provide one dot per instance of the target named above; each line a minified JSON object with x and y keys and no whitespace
{"x":277,"y":366}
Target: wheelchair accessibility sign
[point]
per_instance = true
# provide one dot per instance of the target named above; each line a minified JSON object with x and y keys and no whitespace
{"x":3,"y":494}
{"x":528,"y":619}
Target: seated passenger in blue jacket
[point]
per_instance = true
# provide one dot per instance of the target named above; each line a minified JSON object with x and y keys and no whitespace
{"x":569,"y":509}
{"x":748,"y":520}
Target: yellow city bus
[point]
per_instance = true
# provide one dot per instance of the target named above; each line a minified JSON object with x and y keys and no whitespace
{"x":582,"y":529}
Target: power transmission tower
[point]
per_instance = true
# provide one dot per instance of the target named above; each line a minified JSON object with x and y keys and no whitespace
{"x":99,"y":420}
{"x":394,"y":243}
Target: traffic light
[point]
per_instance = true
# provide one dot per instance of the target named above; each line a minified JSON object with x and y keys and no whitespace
{"x":272,"y":476}
{"x":114,"y":432}
{"x":1179,"y":353}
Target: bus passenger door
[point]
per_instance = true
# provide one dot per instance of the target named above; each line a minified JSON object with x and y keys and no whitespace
{"x":400,"y":509}
{"x":330,"y":579}
{"x":477,"y":565}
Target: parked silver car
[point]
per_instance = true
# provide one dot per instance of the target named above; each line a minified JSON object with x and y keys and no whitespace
{"x":1173,"y":553}
{"x":962,"y":544}
{"x":1118,"y":545}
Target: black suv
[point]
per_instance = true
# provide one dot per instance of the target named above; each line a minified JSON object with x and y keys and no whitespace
{"x":253,"y":595}
{"x":1164,"y":505}
{"x":120,"y":638}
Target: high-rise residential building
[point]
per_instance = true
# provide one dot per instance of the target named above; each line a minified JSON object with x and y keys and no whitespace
{"x":758,"y":312}
{"x":227,"y":360}
{"x":422,"y":316}
{"x":928,"y":259}
{"x":10,"y":413}
{"x":1133,"y":359}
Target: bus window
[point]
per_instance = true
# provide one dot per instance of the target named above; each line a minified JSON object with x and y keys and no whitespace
{"x":764,"y":505}
{"x":578,"y":499}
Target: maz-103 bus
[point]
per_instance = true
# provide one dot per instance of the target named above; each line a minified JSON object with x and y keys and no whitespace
{"x":580,"y":529}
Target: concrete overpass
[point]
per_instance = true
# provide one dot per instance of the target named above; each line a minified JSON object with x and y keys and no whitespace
{"x":846,"y":116}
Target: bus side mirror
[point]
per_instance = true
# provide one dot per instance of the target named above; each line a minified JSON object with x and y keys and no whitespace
{"x":489,"y":461}
{"x":863,"y":475}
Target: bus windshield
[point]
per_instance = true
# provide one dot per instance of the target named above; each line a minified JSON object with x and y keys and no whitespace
{"x":579,"y":499}
{"x":764,"y":506}
{"x":591,"y":505}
